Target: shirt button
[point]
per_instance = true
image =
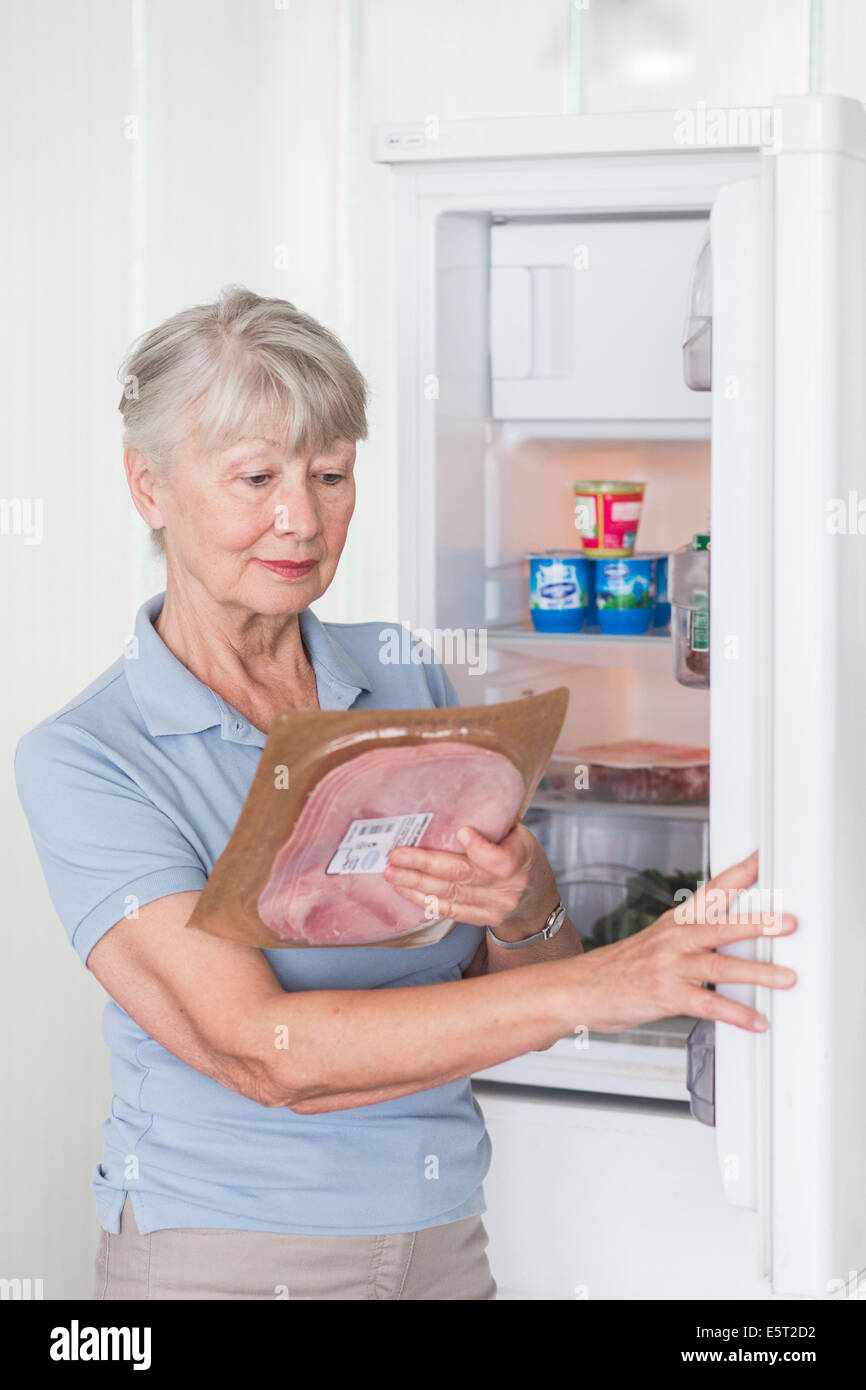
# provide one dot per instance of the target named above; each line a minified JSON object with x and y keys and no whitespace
{"x":239,"y":727}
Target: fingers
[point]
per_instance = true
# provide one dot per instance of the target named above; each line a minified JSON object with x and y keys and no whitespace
{"x":733,"y":970}
{"x":498,"y":860}
{"x":711,"y":935}
{"x":737,"y":876}
{"x":705,"y":1003}
{"x":440,"y":906}
{"x":412,"y":866}
{"x":457,"y":876}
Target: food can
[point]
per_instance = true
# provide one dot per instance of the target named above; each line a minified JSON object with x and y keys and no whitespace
{"x":607,"y":515}
{"x":558,"y":590}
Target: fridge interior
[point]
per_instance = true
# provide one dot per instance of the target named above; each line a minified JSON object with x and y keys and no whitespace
{"x":504,"y":488}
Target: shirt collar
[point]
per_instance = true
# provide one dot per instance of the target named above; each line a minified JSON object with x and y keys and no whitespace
{"x":174,"y":701}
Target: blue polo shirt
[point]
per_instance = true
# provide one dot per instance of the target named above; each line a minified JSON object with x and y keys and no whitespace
{"x":132,"y":791}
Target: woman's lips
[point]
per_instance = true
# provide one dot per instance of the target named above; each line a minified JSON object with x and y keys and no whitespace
{"x":287,"y":568}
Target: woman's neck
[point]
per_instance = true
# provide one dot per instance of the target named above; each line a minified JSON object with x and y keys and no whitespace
{"x":257,"y":662}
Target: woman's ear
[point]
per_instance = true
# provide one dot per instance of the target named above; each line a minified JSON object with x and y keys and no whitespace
{"x":143,"y":481}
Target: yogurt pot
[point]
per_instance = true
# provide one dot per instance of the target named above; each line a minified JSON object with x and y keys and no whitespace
{"x":607,"y":515}
{"x":591,"y":610}
{"x":558,"y":590}
{"x":625,"y":594}
{"x":662,"y":608}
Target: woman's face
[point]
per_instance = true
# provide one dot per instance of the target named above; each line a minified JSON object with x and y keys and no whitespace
{"x":237,"y":518}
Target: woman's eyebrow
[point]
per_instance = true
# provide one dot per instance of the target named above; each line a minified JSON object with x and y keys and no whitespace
{"x":254,"y":443}
{"x":250,"y":448}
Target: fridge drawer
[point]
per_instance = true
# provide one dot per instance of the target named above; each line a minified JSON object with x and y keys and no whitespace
{"x":619,"y":869}
{"x":649,"y":1061}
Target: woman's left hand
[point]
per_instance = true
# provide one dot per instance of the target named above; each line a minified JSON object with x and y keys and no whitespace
{"x":491,"y":884}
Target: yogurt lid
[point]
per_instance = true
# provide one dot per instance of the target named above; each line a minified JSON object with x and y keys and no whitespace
{"x":555,"y":555}
{"x":608,"y":487}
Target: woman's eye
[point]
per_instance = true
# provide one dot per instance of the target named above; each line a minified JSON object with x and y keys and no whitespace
{"x":256,"y":479}
{"x":332,"y":478}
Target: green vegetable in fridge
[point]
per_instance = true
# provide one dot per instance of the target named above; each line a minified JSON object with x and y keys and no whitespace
{"x":648,"y":895}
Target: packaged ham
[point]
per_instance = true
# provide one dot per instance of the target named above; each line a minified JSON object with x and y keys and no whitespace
{"x":632,"y":771}
{"x":335,"y":791}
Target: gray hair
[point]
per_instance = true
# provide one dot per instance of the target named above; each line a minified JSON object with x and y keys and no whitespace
{"x":215,"y":369}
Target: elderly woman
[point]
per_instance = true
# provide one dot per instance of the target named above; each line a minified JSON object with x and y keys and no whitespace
{"x":350,"y":1164}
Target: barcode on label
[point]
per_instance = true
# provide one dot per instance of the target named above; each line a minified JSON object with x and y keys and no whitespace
{"x":366,"y":844}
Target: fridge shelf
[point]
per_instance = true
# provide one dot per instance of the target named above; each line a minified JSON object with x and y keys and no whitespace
{"x":673,"y":810}
{"x":649,"y":651}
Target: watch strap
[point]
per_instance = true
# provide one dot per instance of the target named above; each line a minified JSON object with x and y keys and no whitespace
{"x":551,"y":926}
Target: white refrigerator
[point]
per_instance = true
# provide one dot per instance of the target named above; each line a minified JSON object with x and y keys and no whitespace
{"x":544,"y":268}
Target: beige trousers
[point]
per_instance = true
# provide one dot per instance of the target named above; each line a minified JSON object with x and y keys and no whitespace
{"x":441,"y":1262}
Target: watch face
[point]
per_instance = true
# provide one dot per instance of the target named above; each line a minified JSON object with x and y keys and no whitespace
{"x":557,"y":918}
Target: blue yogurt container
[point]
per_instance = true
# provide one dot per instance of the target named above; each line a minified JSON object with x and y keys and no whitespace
{"x":662,"y":610}
{"x":558,"y":590}
{"x":591,"y":610}
{"x":661,"y":617}
{"x":625,"y":591}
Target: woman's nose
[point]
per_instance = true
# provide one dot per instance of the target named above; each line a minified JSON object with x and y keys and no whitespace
{"x":295,"y":513}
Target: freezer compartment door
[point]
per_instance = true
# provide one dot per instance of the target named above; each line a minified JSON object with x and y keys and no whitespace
{"x":586,"y":322}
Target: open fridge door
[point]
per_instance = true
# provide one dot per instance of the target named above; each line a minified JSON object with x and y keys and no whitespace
{"x":740,"y":583}
{"x":788,"y":672}
{"x":817,"y":1043}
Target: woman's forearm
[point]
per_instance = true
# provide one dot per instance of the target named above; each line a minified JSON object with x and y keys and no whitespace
{"x":495,"y":959}
{"x":331,"y":1049}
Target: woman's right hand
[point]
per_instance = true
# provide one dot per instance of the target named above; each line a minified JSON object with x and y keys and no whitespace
{"x":658,"y":972}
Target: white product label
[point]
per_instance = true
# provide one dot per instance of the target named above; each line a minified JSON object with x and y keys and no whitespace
{"x":625,"y":511}
{"x":365,"y":847}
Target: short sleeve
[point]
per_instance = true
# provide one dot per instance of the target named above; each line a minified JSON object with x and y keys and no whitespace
{"x":104,"y":846}
{"x":452,"y":698}
{"x":440,"y":684}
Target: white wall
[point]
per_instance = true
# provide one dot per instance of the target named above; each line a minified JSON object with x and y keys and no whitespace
{"x":155,"y":150}
{"x":67,"y":601}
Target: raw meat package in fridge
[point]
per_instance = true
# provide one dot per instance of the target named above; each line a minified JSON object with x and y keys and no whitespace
{"x":631,"y":770}
{"x":335,"y":790}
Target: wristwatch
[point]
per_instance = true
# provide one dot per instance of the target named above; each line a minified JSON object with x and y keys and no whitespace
{"x":554,"y":921}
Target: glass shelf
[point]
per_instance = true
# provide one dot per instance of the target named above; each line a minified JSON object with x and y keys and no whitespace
{"x":592,"y":647}
{"x":671,"y":810}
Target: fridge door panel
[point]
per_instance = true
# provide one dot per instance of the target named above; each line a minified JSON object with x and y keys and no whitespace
{"x":735,"y":639}
{"x":818,"y":1034}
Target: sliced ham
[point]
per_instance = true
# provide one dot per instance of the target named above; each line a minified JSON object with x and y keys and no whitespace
{"x":457,"y":783}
